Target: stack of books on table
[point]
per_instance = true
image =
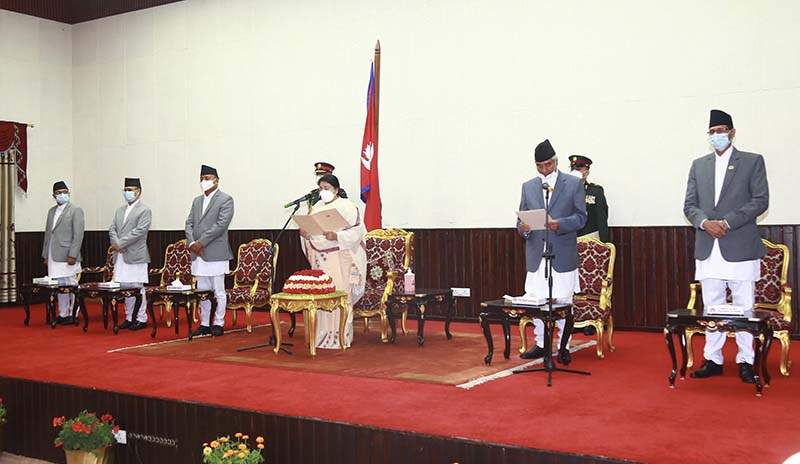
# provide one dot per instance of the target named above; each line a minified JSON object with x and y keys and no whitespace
{"x":45,"y":281}
{"x":523,"y":300}
{"x":173,"y":287}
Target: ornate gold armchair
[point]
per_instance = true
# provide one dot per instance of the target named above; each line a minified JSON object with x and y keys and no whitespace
{"x":106,"y":271}
{"x":252,"y":278}
{"x":389,"y":255}
{"x":591,"y":307}
{"x":772,"y":293}
{"x":177,"y":265}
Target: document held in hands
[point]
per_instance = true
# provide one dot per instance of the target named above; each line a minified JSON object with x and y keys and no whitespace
{"x":536,"y":218}
{"x":320,"y":222}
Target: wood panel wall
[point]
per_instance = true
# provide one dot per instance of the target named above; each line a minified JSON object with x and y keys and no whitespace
{"x":166,"y":431}
{"x":654,"y":264}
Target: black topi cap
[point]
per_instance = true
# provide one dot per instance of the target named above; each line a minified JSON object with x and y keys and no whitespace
{"x":60,"y":185}
{"x":132,"y":182}
{"x":579,"y":160}
{"x":544,"y":151}
{"x":207,"y":170}
{"x":720,"y":118}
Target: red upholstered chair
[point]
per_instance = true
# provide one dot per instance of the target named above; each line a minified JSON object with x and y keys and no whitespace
{"x":389,"y":255}
{"x":772,"y":293}
{"x":252,"y":278}
{"x":591,"y":307}
{"x":177,"y":265}
{"x":106,"y":272}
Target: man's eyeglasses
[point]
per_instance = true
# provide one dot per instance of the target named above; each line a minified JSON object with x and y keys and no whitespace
{"x":721,"y":130}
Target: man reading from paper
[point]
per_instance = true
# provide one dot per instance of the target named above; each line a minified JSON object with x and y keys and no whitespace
{"x":340,"y":254}
{"x":567,"y":216}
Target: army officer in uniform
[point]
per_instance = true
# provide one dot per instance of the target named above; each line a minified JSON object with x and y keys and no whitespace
{"x":596,"y":205}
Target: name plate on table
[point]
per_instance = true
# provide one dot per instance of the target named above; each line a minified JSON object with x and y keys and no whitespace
{"x":725,"y":310}
{"x":178,"y":288}
{"x":108,"y":285}
{"x":523,"y":300}
{"x":45,"y":281}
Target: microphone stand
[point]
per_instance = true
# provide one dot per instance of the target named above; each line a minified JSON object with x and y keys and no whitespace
{"x":549,"y":324}
{"x":272,"y":340}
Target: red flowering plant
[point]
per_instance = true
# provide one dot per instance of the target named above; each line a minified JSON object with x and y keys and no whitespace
{"x":2,"y":412}
{"x":86,"y":432}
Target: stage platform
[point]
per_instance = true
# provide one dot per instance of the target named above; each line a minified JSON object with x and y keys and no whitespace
{"x":382,"y":403}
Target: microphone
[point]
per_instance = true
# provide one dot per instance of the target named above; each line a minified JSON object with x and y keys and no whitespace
{"x":305,"y":197}
{"x":546,"y":186}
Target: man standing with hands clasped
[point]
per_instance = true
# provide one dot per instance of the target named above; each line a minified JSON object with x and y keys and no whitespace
{"x":207,"y":238}
{"x":128,"y":235}
{"x":567,"y":216}
{"x":726,"y":192}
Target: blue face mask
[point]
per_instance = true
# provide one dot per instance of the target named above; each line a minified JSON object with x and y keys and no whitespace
{"x":62,"y":198}
{"x":130,"y":196}
{"x":719,"y":141}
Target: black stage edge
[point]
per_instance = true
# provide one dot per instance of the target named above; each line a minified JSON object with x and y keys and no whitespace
{"x":172,"y":432}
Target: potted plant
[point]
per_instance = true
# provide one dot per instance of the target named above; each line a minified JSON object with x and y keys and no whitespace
{"x":236,"y":450}
{"x":2,"y":422}
{"x":86,"y":439}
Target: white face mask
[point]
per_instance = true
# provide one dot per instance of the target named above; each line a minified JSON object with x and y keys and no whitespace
{"x":719,"y":141}
{"x":326,"y":196}
{"x":206,"y":184}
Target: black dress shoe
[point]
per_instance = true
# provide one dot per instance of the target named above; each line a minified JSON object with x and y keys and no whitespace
{"x":216,"y":330}
{"x":746,"y":373}
{"x":564,"y":357}
{"x":709,"y":369}
{"x":125,"y":325}
{"x":137,"y":325}
{"x":202,"y":330}
{"x":59,"y":320}
{"x":69,"y":320}
{"x":533,"y":353}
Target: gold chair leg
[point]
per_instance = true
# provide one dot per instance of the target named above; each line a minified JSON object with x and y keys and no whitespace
{"x":598,"y":327}
{"x":523,"y":338}
{"x":384,"y":327}
{"x":248,"y":311}
{"x":167,"y":308}
{"x":786,"y":363}
{"x":689,"y":352}
{"x":610,"y":330}
{"x":403,"y":320}
{"x":366,"y":324}
{"x":235,"y":312}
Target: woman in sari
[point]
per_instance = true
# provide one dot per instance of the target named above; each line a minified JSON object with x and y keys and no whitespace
{"x":342,"y":255}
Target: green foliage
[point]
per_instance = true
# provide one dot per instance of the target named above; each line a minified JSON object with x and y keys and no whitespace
{"x":225,"y":450}
{"x":86,"y":432}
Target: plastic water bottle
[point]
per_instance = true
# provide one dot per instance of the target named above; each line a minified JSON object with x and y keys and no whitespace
{"x":409,"y":282}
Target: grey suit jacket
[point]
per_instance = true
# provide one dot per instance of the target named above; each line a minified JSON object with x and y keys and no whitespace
{"x":132,"y":234}
{"x":211,"y":228}
{"x":568,"y":205}
{"x":744,"y":196}
{"x":67,"y":237}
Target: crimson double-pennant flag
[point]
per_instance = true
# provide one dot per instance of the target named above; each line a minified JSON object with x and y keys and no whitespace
{"x":14,"y":147}
{"x":370,"y":186}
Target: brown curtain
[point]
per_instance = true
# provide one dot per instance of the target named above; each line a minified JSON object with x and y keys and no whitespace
{"x":13,"y":164}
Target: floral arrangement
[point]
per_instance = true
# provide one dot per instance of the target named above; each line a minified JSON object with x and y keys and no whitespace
{"x":309,"y":281}
{"x":86,"y":432}
{"x":236,"y":450}
{"x":2,"y":412}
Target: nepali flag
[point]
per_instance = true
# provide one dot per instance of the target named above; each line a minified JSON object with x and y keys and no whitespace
{"x":370,"y":187}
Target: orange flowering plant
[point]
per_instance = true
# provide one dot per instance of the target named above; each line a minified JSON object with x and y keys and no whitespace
{"x":235,"y":450}
{"x":2,"y":412}
{"x":87,"y":432}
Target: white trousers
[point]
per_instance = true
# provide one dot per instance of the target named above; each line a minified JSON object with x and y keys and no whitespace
{"x":217,"y":283}
{"x":66,"y":300}
{"x":131,"y":301}
{"x":538,"y":327}
{"x":743,"y":292}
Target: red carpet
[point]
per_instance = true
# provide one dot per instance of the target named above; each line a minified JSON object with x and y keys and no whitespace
{"x":623,"y":410}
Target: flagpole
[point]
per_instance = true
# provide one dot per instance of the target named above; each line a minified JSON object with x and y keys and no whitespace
{"x":377,"y":91}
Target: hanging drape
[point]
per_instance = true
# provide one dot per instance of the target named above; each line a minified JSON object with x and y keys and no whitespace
{"x":13,"y":166}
